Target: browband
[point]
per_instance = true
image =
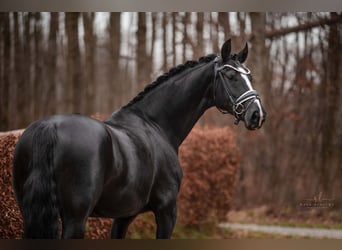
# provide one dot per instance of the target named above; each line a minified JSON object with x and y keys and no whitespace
{"x":239,"y":69}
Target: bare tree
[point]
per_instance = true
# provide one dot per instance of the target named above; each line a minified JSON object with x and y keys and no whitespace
{"x":174,"y":29}
{"x":214,"y":33}
{"x":115,"y":85}
{"x":73,"y":89}
{"x":164,"y":39}
{"x":142,"y":67}
{"x":38,"y":71}
{"x":5,"y":69}
{"x":199,"y":49}
{"x":16,"y":86}
{"x":90,"y":45}
{"x":51,"y":60}
{"x":330,"y":91}
{"x":185,"y":41}
{"x":223,"y":19}
{"x":28,"y":55}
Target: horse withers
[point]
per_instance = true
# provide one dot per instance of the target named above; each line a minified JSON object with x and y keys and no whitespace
{"x":72,"y":167}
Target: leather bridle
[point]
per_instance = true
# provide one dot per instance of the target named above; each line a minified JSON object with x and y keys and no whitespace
{"x":241,"y":104}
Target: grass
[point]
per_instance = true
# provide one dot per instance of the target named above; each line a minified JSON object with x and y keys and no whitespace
{"x":146,"y":229}
{"x":210,"y":231}
{"x":303,"y":219}
{"x":303,"y":225}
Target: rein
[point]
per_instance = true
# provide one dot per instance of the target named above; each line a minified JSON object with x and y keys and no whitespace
{"x":239,"y":105}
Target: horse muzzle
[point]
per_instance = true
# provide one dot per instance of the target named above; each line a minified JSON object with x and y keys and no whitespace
{"x":255,"y":115}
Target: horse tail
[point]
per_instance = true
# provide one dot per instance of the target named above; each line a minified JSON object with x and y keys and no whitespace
{"x":40,"y":203}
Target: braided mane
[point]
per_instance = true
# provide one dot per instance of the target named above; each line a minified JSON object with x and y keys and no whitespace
{"x":166,"y":76}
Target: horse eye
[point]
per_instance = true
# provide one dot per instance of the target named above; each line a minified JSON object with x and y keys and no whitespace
{"x":230,"y":74}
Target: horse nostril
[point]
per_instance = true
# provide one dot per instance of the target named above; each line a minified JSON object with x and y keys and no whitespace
{"x":255,"y":119}
{"x":256,"y":116}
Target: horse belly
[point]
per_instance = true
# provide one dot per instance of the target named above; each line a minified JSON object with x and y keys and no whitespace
{"x":120,"y":202}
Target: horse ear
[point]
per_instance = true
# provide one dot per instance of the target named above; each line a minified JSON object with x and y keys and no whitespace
{"x":242,"y":56}
{"x":225,"y":50}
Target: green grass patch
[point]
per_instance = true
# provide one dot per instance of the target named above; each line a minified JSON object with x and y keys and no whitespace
{"x":305,"y":225}
{"x":293,"y":224}
{"x":210,"y":231}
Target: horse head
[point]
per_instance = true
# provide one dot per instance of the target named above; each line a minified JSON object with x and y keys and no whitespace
{"x":233,"y":92}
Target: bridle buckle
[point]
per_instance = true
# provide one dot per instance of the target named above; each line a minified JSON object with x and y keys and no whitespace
{"x":239,"y":108}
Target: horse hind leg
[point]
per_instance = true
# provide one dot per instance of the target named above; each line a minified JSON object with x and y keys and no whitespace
{"x":78,"y":195}
{"x":74,"y":214}
{"x":73,"y":224}
{"x":120,"y":226}
{"x":73,"y":229}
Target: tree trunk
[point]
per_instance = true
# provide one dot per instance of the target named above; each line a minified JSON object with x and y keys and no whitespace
{"x":242,"y":27}
{"x":199,"y":35}
{"x":154,"y":32}
{"x":149,"y":49}
{"x":174,"y":52}
{"x":115,"y":87}
{"x":223,"y":19}
{"x":186,"y":20}
{"x":5,"y":69}
{"x":214,"y":34}
{"x":164,"y":28}
{"x":142,"y":74}
{"x":51,"y":61}
{"x":73,"y":91}
{"x":258,"y":63}
{"x":257,"y":58}
{"x":27,"y":65}
{"x":330,"y":100}
{"x":151,"y":65}
{"x":89,"y":43}
{"x":38,"y":81}
{"x":16,"y":91}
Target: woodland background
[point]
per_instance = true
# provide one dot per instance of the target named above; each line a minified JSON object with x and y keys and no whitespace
{"x":95,"y":62}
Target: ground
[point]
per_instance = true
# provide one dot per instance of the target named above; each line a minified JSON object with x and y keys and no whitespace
{"x":304,"y":220}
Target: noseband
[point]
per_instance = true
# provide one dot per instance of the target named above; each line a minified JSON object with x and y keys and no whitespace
{"x":242,"y":103}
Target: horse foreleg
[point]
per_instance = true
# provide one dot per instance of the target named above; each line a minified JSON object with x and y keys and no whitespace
{"x":166,"y":220}
{"x":120,"y":226}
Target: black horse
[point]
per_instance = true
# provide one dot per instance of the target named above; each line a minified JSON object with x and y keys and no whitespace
{"x":72,"y":167}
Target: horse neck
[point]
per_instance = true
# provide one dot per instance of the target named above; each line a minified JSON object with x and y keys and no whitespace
{"x":176,"y":105}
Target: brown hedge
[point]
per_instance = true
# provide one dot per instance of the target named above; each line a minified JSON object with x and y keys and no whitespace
{"x":210,"y":161}
{"x":10,"y":217}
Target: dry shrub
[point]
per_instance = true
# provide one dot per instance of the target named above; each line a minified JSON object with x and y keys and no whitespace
{"x":10,"y":217}
{"x":210,"y":160}
{"x":98,"y":228}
